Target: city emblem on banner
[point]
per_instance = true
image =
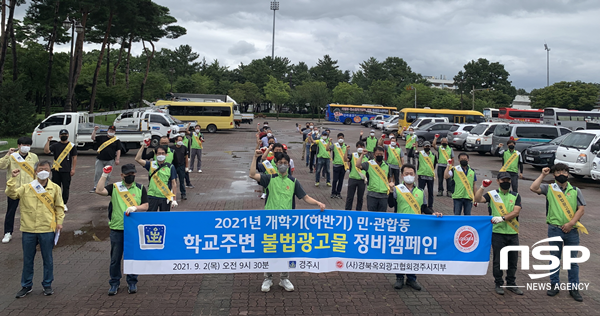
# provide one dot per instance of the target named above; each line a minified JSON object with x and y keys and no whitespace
{"x":466,"y":239}
{"x":152,"y":236}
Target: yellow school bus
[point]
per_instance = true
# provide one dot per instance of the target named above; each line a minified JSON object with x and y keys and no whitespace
{"x":409,"y":115}
{"x":211,"y":116}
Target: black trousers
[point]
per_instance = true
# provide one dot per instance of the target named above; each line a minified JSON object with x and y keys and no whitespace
{"x":313,"y":158}
{"x":377,"y":205}
{"x":355,"y":187}
{"x":9,"y":219}
{"x":158,"y":204}
{"x":187,"y":179}
{"x":62,"y":179}
{"x":449,"y":182}
{"x":498,"y":242}
{"x":429,"y":184}
{"x":338,"y":180}
{"x":396,"y":174}
{"x":514,"y":181}
{"x":116,"y":256}
{"x":410,"y":156}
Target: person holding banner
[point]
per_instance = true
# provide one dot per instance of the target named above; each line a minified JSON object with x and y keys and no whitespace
{"x":19,"y":158}
{"x":394,"y":158}
{"x":65,"y":161}
{"x":565,"y":206}
{"x":42,"y":215}
{"x":411,"y":144}
{"x":281,"y":189}
{"x":357,"y":178}
{"x":512,"y":162}
{"x":425,"y":171}
{"x":377,"y":189}
{"x":340,"y":165}
{"x":109,"y":152}
{"x":162,"y":193}
{"x":408,"y":199}
{"x":445,"y":153}
{"x":125,"y":197}
{"x":504,"y":205}
{"x":464,"y":179}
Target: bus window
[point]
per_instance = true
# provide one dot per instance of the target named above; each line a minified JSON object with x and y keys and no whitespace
{"x":548,"y":112}
{"x":459,"y":119}
{"x":411,"y":117}
{"x":177,"y":110}
{"x":401,"y":115}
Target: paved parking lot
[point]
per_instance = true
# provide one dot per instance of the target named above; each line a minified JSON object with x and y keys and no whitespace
{"x":81,"y":258}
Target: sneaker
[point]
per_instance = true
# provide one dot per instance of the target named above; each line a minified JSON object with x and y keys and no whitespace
{"x":552,"y":291}
{"x":333,"y":196}
{"x":329,"y":184}
{"x":48,"y":291}
{"x":414,"y":284}
{"x":449,"y":194}
{"x":499,"y":289}
{"x":263,"y":196}
{"x":339,"y":197}
{"x":93,"y":190}
{"x":399,"y":284}
{"x":576,"y":296}
{"x":316,"y":184}
{"x":441,"y":193}
{"x":66,"y":208}
{"x":23,"y":292}
{"x":132,"y":289}
{"x":286,"y":285}
{"x":199,"y":171}
{"x":183,"y":197}
{"x":7,"y":238}
{"x":189,"y":186}
{"x":113,"y":290}
{"x":513,"y":288}
{"x":266,"y":285}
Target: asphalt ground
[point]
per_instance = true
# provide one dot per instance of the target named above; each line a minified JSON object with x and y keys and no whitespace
{"x":82,"y":256}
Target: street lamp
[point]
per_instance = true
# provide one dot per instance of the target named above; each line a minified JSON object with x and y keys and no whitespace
{"x":473,"y":93}
{"x":172,"y":71}
{"x":274,"y":7}
{"x":75,"y":26}
{"x":547,"y":64}
{"x":411,"y":87}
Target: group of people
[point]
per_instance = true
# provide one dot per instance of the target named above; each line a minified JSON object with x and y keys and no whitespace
{"x":43,"y":200}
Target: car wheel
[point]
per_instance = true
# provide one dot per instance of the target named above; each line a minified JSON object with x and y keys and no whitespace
{"x":348,"y":121}
{"x":578,"y":176}
{"x":482,"y":153}
{"x":211,"y":128}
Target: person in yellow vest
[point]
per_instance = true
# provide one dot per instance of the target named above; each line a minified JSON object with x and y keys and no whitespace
{"x":426,"y":171}
{"x":197,"y":140}
{"x":410,"y":146}
{"x":340,"y":165}
{"x":109,"y":152}
{"x":323,"y":157}
{"x":512,"y":162}
{"x":395,"y":159}
{"x":377,"y":174}
{"x":42,"y":215}
{"x":65,"y":161}
{"x":565,"y":206}
{"x":444,"y":153}
{"x":370,"y":143}
{"x":17,"y":158}
{"x":162,"y":190}
{"x":504,"y":205}
{"x":126,"y":196}
{"x":464,"y":178}
{"x":357,"y":178}
{"x":408,"y":199}
{"x":281,"y":189}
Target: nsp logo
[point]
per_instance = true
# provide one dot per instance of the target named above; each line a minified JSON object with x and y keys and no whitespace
{"x":537,"y":254}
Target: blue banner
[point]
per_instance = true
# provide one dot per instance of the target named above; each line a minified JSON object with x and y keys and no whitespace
{"x":305,"y":240}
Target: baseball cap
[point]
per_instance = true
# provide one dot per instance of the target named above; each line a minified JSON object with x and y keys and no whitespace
{"x":426,"y":143}
{"x":503,"y":175}
{"x":372,"y":131}
{"x":113,"y":128}
{"x":63,"y":132}
{"x":128,"y":168}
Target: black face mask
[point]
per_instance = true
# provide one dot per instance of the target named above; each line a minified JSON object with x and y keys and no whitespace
{"x":427,"y":149}
{"x":561,"y":179}
{"x":445,"y":145}
{"x":129,"y":179}
{"x":464,"y":163}
{"x":505,"y":185}
{"x":379,"y":158}
{"x":511,"y":147}
{"x":63,"y":138}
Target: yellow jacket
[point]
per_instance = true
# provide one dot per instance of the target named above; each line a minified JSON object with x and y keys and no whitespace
{"x":9,"y":163}
{"x":35,"y":216}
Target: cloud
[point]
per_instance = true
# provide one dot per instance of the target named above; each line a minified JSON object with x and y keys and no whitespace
{"x":242,"y":48}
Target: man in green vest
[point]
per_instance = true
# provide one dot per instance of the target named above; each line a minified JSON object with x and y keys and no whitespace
{"x":187,"y":142}
{"x":162,"y":190}
{"x":281,"y":189}
{"x":444,"y":153}
{"x":512,"y":162}
{"x":370,"y":142}
{"x":464,"y":178}
{"x":126,"y":196}
{"x":426,"y":171}
{"x":357,"y":178}
{"x":197,"y":140}
{"x":323,"y":157}
{"x":340,"y":161}
{"x":377,"y":175}
{"x":411,"y":144}
{"x":395,"y":159}
{"x":405,"y":193}
{"x":504,"y":205}
{"x":564,"y":208}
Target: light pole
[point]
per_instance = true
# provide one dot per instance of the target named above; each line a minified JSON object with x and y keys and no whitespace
{"x":473,"y":93}
{"x":75,"y":26}
{"x":547,"y":64}
{"x":172,"y":71}
{"x":274,"y":7}
{"x":411,"y":87}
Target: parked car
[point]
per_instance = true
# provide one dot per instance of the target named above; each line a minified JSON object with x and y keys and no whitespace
{"x":595,"y":172}
{"x":367,"y":123}
{"x":381,"y":124}
{"x":421,"y":121}
{"x":526,"y":135}
{"x":427,"y":132}
{"x":578,"y":150}
{"x":480,"y":138}
{"x":377,"y":119}
{"x":542,"y":155}
{"x":457,"y":136}
{"x":391,"y":126}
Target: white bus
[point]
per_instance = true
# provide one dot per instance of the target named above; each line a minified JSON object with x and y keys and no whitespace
{"x":490,"y":114}
{"x":572,"y":119}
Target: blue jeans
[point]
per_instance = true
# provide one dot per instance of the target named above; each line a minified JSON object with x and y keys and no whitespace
{"x":46,"y":242}
{"x":181,"y":175}
{"x":569,"y":239}
{"x":459,"y":204}
{"x":323,"y":163}
{"x":307,"y":153}
{"x":116,"y":255}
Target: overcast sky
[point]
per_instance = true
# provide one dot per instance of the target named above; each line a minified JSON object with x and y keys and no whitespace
{"x":434,"y":37}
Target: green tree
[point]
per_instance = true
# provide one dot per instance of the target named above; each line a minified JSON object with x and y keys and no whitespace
{"x":568,"y":95}
{"x":482,"y":74}
{"x":278,"y":92}
{"x":327,"y":70}
{"x":382,"y":92}
{"x":316,"y":94}
{"x":346,"y":93}
{"x":17,"y":116}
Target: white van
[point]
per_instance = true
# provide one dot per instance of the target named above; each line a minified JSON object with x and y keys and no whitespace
{"x":421,"y":121}
{"x":578,"y":151}
{"x":480,"y":138}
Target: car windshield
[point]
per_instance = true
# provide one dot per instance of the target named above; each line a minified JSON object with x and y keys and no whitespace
{"x":479,"y":129}
{"x":426,"y":126}
{"x":578,"y":140}
{"x":558,"y":139}
{"x":174,"y":119}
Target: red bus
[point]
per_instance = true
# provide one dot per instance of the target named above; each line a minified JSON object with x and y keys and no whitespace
{"x":533,"y":116}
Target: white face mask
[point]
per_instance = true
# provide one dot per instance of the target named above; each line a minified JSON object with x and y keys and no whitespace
{"x":393,"y":144}
{"x":269,"y":134}
{"x":43,"y":175}
{"x":197,"y":130}
{"x":24,"y":149}
{"x":179,"y":143}
{"x":359,"y":150}
{"x":409,"y":179}
{"x":110,"y":133}
{"x":161,"y":157}
{"x":341,"y":140}
{"x":372,"y":134}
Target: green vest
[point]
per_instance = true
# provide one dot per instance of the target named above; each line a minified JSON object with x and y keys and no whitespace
{"x":410,"y":140}
{"x":424,"y":169}
{"x":353,"y":173}
{"x":391,"y":159}
{"x":460,"y":192}
{"x":195,"y":144}
{"x":164,"y":174}
{"x":280,"y":193}
{"x":169,"y":158}
{"x":508,"y":200}
{"x":322,"y":153}
{"x":371,"y":144}
{"x":403,"y":206}
{"x":119,"y":207}
{"x":441,"y":159}
{"x":337,"y":160}
{"x":555,"y":214}
{"x":514,"y":166}
{"x":375,"y":182}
